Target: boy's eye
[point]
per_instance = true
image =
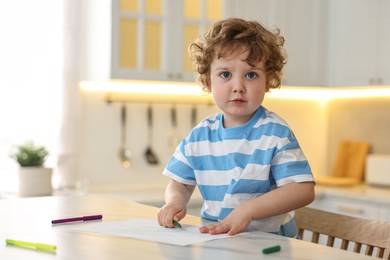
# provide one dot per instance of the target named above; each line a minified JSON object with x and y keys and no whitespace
{"x":225,"y":74}
{"x":251,"y":75}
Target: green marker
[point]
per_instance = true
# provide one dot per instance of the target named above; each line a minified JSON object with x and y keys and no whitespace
{"x":271,"y":249}
{"x":38,"y":246}
{"x":177,"y":224}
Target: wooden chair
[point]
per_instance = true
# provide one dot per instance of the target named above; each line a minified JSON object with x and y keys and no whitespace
{"x":373,"y":235}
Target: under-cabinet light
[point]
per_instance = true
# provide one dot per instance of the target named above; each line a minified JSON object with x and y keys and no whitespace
{"x":155,"y":91}
{"x":148,"y":91}
{"x":143,"y":87}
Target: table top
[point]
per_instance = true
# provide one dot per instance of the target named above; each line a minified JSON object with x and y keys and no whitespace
{"x":29,"y":219}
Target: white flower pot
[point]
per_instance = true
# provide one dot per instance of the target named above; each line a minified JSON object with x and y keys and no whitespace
{"x":35,"y":181}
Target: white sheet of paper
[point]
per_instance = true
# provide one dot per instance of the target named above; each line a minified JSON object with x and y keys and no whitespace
{"x":147,"y":229}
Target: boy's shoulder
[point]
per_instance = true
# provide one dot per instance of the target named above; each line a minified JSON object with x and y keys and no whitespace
{"x":268,"y":116}
{"x":211,"y":121}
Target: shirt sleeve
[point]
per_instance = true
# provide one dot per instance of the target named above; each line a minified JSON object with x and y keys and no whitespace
{"x":290,"y":164}
{"x":179,"y":169}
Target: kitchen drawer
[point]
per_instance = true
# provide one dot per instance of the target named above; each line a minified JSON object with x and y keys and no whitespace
{"x":384,"y":214}
{"x":348,"y":207}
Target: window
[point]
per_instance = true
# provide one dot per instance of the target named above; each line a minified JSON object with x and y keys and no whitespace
{"x":30,"y":79}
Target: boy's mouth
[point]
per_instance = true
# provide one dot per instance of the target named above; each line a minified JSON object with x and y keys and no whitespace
{"x":238,"y":101}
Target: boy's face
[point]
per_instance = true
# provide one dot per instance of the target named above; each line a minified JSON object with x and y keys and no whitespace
{"x":238,"y":88}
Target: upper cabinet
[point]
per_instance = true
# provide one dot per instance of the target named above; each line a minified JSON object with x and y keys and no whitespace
{"x":301,"y":23}
{"x":150,"y":38}
{"x":328,"y":42}
{"x":358,"y":43}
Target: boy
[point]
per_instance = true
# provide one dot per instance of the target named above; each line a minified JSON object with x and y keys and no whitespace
{"x":245,"y":160}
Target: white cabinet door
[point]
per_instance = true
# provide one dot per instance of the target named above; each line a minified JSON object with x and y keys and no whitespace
{"x":345,"y":206}
{"x":137,"y":39}
{"x":352,"y":42}
{"x":259,"y":10}
{"x":384,"y":42}
{"x":302,"y":24}
{"x":384,"y":213}
{"x":151,"y":37}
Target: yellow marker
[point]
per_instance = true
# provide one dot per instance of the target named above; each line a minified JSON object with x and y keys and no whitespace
{"x":38,"y":246}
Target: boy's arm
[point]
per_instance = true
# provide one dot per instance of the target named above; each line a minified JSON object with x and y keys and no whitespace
{"x":177,"y":196}
{"x":278,"y":201}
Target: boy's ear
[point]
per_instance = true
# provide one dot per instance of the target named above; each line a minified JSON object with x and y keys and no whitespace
{"x":208,"y":85}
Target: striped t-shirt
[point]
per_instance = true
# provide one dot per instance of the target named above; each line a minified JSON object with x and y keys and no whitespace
{"x":231,"y":165}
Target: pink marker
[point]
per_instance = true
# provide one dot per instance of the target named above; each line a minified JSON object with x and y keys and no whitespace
{"x":84,"y":218}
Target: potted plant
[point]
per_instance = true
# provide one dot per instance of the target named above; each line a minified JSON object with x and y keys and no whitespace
{"x":34,"y":177}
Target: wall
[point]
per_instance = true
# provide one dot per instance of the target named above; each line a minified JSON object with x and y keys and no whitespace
{"x":319,"y":128}
{"x":364,"y":119}
{"x":308,"y":120}
{"x":100,"y":137}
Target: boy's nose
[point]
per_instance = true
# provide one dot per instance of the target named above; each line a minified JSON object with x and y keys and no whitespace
{"x":239,"y":86}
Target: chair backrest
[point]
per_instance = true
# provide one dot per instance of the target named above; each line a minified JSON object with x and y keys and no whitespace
{"x":373,"y":235}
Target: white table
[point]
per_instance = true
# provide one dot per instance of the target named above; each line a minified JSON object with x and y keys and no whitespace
{"x":29,"y":219}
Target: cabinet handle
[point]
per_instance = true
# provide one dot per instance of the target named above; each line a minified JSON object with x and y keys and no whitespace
{"x":351,"y":210}
{"x":375,"y":81}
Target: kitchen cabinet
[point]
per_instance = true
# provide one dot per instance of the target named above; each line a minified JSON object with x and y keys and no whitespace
{"x":348,"y":207}
{"x":301,"y":23}
{"x":358,"y":42}
{"x":384,"y":214}
{"x":361,"y":201}
{"x":329,"y":43}
{"x":384,"y":42}
{"x":156,"y":55}
{"x":150,"y":38}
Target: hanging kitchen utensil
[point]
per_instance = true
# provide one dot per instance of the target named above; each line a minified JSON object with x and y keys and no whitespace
{"x":124,"y":153}
{"x":174,"y":135}
{"x":193,"y":116}
{"x":150,"y":155}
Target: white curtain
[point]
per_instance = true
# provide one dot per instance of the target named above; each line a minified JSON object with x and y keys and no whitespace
{"x":30,"y":79}
{"x":39,"y":75}
{"x":67,"y":166}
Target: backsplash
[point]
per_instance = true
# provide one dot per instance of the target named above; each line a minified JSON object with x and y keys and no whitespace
{"x":366,"y":119}
{"x":319,"y":128}
{"x":100,"y":137}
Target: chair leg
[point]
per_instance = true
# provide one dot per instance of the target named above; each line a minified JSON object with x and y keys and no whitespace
{"x":300,"y":233}
{"x":369,"y":250}
{"x":357,"y":248}
{"x":344,"y":244}
{"x":330,"y":241}
{"x":380,"y":253}
{"x":315,"y":237}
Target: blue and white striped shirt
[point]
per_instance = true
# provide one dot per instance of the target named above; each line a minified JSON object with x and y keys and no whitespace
{"x":237,"y":164}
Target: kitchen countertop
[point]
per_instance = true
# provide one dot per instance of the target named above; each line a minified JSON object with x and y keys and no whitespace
{"x":154,"y":194}
{"x":146,"y":194}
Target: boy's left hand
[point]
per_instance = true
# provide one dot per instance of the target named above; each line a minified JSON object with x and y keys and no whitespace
{"x":234,"y":223}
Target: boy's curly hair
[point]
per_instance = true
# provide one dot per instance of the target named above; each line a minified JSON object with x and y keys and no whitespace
{"x":226,"y":36}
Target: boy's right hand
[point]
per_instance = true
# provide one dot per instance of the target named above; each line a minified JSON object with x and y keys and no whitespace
{"x":170,"y":212}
